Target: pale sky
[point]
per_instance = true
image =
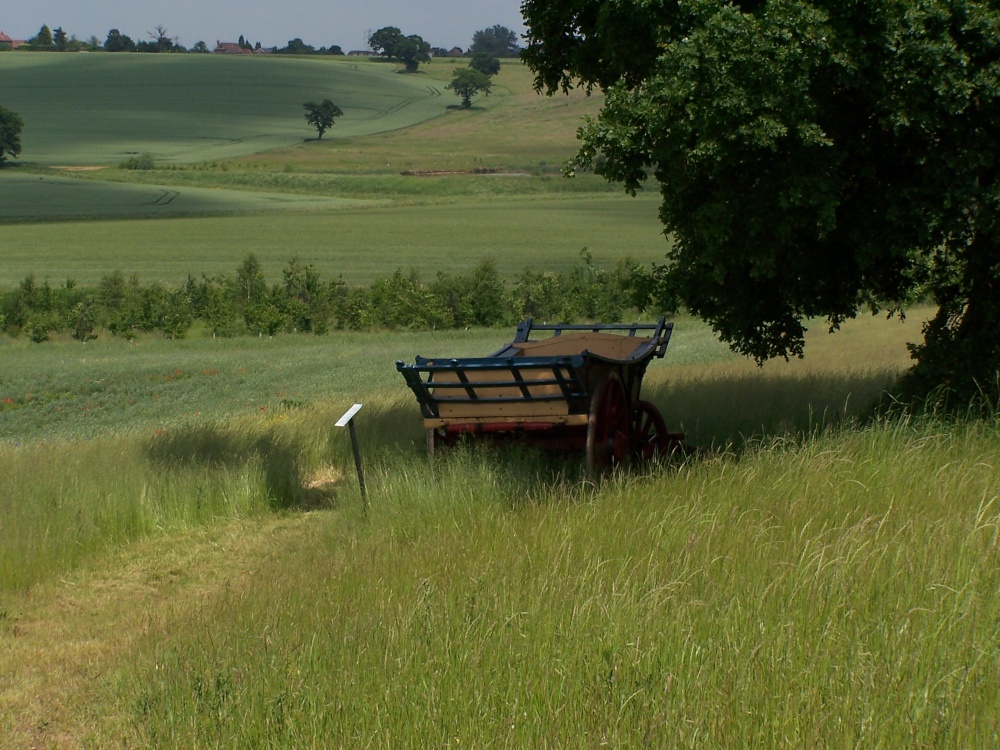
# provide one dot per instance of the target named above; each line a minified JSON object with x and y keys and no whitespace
{"x":321,"y":23}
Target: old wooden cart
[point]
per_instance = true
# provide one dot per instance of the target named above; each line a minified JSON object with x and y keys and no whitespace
{"x":575,"y":387}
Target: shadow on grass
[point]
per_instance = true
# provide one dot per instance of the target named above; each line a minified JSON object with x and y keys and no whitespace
{"x":278,"y":455}
{"x":718,"y":411}
{"x":731,"y":409}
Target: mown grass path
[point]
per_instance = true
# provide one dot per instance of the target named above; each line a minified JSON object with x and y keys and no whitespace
{"x":62,"y":645}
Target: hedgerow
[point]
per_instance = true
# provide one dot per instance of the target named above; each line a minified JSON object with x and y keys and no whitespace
{"x":302,"y":302}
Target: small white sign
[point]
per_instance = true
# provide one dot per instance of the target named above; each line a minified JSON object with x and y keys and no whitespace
{"x":349,"y":415}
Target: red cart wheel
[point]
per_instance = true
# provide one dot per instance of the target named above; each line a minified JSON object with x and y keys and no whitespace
{"x":607,"y":426}
{"x":649,"y":432}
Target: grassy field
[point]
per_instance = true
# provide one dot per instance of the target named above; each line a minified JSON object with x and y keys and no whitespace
{"x":358,"y":244}
{"x":822,"y":580}
{"x":185,"y":559}
{"x":190,"y":108}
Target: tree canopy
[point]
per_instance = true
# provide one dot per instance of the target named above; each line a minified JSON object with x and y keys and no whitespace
{"x":391,"y":43}
{"x":11,"y":126}
{"x":118,"y":42}
{"x":496,"y":41}
{"x":467,"y":82}
{"x":485,"y":64}
{"x":42,"y":40}
{"x":814,"y":158}
{"x":321,"y":116}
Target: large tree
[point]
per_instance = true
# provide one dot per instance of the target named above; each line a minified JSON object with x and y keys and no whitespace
{"x":813,"y":158}
{"x":496,"y":41}
{"x":467,"y":82}
{"x":321,"y":116}
{"x":413,"y":51}
{"x":11,"y":126}
{"x":410,"y":50}
{"x":118,"y":42}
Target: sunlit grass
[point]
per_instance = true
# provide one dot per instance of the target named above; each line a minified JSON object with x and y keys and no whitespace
{"x":794,"y":586}
{"x":841,"y":591}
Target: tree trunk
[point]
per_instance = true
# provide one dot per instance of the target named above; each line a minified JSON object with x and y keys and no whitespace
{"x":961,"y":349}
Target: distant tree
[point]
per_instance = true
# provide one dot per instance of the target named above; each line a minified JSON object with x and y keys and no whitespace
{"x":334,"y":49}
{"x":322,"y":115}
{"x":11,"y":126}
{"x":250,"y":283}
{"x":161,"y":42}
{"x":467,"y":82}
{"x":59,"y":39}
{"x":296,"y":47}
{"x":485,"y":63}
{"x":390,"y":43}
{"x":385,"y":41}
{"x":42,"y":40}
{"x":118,"y":42}
{"x":498,"y":41}
{"x":412,"y":51}
{"x":200,"y":47}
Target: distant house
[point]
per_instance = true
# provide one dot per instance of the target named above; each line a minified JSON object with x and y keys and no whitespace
{"x":455,"y":52}
{"x":7,"y":43}
{"x":230,"y":48}
{"x":362,"y":53}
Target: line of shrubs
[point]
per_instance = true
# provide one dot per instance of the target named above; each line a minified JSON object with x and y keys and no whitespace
{"x":302,"y":302}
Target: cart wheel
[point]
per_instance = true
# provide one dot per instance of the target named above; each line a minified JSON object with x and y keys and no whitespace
{"x":607,"y":426}
{"x":649,"y":432}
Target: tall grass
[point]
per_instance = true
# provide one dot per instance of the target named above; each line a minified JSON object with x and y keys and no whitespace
{"x":842,"y":591}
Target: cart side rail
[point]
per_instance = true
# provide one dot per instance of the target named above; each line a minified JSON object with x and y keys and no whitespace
{"x":659,"y":331}
{"x":485,"y":386}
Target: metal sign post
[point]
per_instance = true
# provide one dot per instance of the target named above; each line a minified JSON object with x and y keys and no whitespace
{"x":348,"y":421}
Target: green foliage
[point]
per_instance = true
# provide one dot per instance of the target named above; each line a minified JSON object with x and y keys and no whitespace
{"x":804,"y":171}
{"x":321,"y":116}
{"x":485,"y":63}
{"x":385,"y":40}
{"x":42,"y":40}
{"x":467,"y":82}
{"x":11,"y":126}
{"x":410,"y":50}
{"x":302,"y":302}
{"x":138,"y":162}
{"x":118,"y":42}
{"x":496,"y":41}
{"x":413,"y":51}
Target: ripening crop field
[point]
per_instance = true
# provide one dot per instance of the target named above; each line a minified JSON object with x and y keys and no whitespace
{"x":186,"y":558}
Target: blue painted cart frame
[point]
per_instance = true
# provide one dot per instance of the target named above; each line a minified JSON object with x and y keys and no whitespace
{"x":575,"y":386}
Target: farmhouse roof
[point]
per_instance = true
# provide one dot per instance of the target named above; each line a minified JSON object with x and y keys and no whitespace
{"x":231,"y":48}
{"x":14,"y":43}
{"x":361,"y":53}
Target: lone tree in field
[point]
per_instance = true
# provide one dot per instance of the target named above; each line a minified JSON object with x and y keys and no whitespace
{"x":322,"y":115}
{"x":467,"y":82}
{"x":11,"y":126}
{"x":814,"y":158}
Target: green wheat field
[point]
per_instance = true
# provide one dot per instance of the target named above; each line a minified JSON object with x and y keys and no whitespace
{"x":186,"y":559}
